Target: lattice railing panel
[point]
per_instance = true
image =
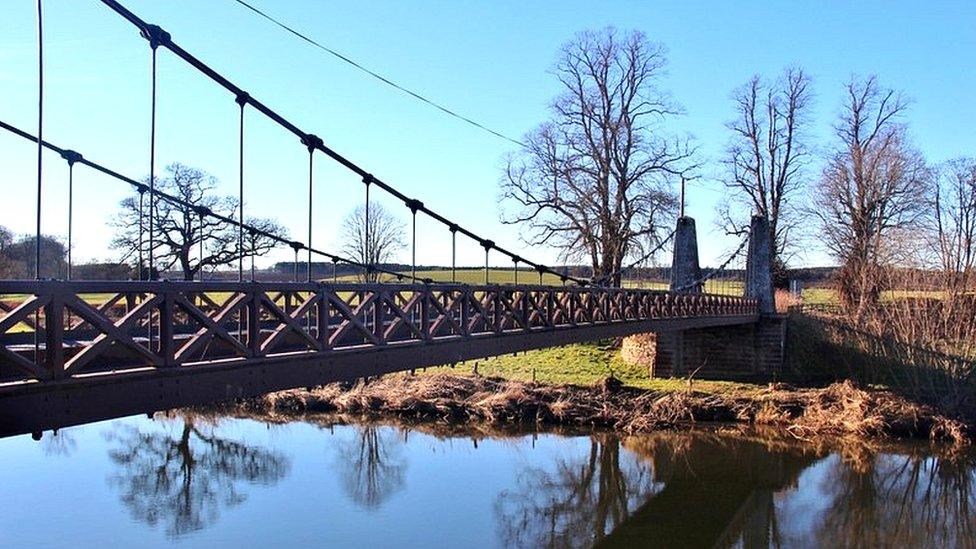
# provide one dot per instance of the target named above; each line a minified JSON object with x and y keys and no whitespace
{"x":51,"y":330}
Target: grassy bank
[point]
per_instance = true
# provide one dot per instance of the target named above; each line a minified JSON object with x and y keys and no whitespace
{"x":588,"y":385}
{"x":840,"y":410}
{"x":583,"y":364}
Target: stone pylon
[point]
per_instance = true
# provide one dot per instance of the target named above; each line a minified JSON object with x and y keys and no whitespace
{"x":759,"y":266}
{"x":685,"y":271}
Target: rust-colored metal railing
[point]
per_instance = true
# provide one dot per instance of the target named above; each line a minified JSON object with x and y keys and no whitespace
{"x":51,"y":330}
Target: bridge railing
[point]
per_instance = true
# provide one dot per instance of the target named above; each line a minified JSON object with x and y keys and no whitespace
{"x":52,"y":330}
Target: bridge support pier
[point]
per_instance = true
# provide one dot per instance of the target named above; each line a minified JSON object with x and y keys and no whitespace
{"x":749,"y":352}
{"x":759,"y":266}
{"x":685,"y":271}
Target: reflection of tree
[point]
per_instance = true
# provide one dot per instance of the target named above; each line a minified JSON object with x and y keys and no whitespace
{"x":371,"y":464}
{"x":901,"y":500}
{"x":182,"y":481}
{"x":59,"y":444}
{"x":579,"y":503}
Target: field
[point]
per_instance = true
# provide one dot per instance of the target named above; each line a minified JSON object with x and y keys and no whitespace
{"x":474,"y":276}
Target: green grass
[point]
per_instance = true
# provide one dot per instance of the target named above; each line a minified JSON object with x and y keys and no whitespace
{"x":820,"y":296}
{"x":719,"y":287}
{"x":583,"y":364}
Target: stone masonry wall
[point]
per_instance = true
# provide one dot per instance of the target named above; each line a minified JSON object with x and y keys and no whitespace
{"x":746,"y":352}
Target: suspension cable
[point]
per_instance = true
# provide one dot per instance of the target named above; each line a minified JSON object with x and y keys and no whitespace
{"x":40,"y":134}
{"x":70,"y":157}
{"x":242,"y":102}
{"x":142,"y":188}
{"x":154,"y":34}
{"x":453,"y":229}
{"x":607,"y":277}
{"x":201,"y":213}
{"x":700,"y":282}
{"x":166,"y":41}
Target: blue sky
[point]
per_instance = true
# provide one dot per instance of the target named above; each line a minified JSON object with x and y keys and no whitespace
{"x":487,"y":60}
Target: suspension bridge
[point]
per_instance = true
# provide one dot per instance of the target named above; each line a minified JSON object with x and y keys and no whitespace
{"x":74,"y":351}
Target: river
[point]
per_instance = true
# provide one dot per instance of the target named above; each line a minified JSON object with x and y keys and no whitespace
{"x":196,"y":481}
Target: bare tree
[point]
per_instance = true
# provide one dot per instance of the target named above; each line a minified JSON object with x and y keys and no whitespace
{"x":180,"y":229}
{"x":954,"y":219}
{"x":373,"y":245}
{"x":766,"y":157}
{"x":594,"y":180}
{"x":872,"y":188}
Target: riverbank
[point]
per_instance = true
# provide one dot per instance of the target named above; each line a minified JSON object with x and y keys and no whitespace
{"x":839,"y":410}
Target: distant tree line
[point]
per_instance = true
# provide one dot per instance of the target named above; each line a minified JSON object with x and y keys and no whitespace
{"x":18,"y":256}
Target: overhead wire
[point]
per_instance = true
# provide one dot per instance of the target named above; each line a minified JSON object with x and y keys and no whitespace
{"x":349,"y":61}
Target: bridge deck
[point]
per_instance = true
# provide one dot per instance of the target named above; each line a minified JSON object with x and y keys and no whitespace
{"x":74,"y":352}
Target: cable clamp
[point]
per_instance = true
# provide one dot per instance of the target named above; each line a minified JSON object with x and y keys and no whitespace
{"x":487,"y":244}
{"x":312,"y":141}
{"x":243,"y":98}
{"x":71,"y":156}
{"x":368,"y":178}
{"x":156,"y":36}
{"x":414,"y":205}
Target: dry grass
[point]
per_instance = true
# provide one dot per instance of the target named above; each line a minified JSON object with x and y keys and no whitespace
{"x":841,"y":409}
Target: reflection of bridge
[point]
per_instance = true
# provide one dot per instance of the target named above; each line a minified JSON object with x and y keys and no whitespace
{"x":73,"y":351}
{"x":718,"y":492}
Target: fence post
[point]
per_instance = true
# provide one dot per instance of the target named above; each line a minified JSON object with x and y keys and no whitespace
{"x":466,"y":311}
{"x":425,"y":297}
{"x":253,"y":321}
{"x":323,"y":317}
{"x":378,"y":327}
{"x":54,"y":335}
{"x":166,"y":327}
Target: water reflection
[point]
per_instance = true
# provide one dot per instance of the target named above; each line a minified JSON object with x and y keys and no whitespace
{"x":61,"y":444}
{"x":717,"y":490}
{"x":892,"y":500}
{"x":376,"y":484}
{"x":181,"y":479}
{"x":371,"y":464}
{"x":576,"y":503}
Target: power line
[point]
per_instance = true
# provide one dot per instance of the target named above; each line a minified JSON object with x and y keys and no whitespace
{"x":377,"y":76}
